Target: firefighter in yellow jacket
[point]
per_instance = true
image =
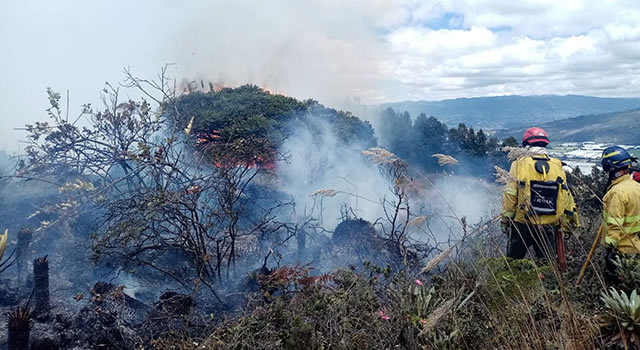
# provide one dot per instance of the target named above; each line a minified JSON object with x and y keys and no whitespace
{"x":537,"y":201}
{"x":621,"y":209}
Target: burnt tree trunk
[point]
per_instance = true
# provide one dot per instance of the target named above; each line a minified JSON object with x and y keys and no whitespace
{"x":24,"y":240}
{"x":41,"y":286}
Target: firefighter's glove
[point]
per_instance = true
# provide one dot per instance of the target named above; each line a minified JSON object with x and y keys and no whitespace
{"x":505,"y":225}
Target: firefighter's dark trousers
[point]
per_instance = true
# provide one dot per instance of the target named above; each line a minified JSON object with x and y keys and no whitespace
{"x":610,"y":271}
{"x":610,"y":274}
{"x":542,"y":238}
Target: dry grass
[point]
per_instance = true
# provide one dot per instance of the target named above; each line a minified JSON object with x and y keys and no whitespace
{"x":380,"y":155}
{"x":437,"y":259}
{"x":503,"y":176}
{"x":325,"y":192}
{"x":187,"y":130}
{"x":436,"y":315}
{"x":417,"y":221}
{"x":444,"y":159}
{"x":514,"y":153}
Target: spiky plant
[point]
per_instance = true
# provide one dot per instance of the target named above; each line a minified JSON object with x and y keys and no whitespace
{"x":19,"y":326}
{"x":621,"y":324}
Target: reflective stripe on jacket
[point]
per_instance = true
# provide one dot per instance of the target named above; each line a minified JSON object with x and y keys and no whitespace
{"x":621,"y":215}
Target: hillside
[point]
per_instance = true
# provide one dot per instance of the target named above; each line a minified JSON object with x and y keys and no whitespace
{"x":617,"y":127}
{"x":330,"y":248}
{"x":511,"y":111}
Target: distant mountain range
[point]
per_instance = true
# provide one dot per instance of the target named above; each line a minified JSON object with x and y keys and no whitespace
{"x":511,"y":111}
{"x":616,"y":127}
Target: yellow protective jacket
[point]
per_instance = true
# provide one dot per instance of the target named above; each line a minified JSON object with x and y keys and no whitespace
{"x":542,"y":178}
{"x":621,"y":216}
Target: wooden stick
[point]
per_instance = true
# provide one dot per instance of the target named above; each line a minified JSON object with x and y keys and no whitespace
{"x":561,"y":250}
{"x":593,"y":249}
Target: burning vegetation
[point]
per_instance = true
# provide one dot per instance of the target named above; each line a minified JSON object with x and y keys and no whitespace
{"x":240,"y":219}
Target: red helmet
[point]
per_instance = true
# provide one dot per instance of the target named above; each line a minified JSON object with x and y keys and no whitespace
{"x":535,"y":136}
{"x":636,"y":176}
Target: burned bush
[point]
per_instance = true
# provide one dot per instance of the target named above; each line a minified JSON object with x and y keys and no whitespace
{"x":354,"y":241}
{"x":173,"y":303}
{"x":353,"y":230}
{"x":109,"y":319}
{"x":167,"y":203}
{"x":194,"y":211}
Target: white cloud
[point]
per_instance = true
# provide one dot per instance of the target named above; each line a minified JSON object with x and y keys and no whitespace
{"x":430,"y":42}
{"x":567,"y":47}
{"x":519,"y":47}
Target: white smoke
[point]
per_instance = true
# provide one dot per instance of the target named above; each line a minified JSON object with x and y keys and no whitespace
{"x":319,"y":160}
{"x":312,"y":49}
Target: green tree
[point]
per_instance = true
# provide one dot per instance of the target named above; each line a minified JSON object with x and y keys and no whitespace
{"x":431,"y":138}
{"x":398,"y":134}
{"x":510,"y":142}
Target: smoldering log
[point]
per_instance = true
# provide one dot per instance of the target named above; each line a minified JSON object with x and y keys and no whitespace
{"x":24,"y":240}
{"x":41,"y":286}
{"x":19,"y":327}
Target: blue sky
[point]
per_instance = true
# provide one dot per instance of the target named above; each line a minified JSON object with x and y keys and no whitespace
{"x":449,"y":20}
{"x":330,"y":50}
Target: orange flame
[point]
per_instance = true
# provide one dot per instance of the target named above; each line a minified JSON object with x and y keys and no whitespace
{"x":272,"y":91}
{"x":217,"y":87}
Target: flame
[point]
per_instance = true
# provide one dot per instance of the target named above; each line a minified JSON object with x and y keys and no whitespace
{"x":220,"y":85}
{"x":217,"y":87}
{"x":204,"y":138}
{"x":214,"y":136}
{"x":258,"y":162}
{"x":188,"y":88}
{"x":273,"y":91}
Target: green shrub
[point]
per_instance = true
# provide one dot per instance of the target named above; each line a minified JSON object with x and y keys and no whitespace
{"x":508,"y":278}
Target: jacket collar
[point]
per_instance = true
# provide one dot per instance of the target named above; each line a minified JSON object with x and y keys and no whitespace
{"x":622,"y":178}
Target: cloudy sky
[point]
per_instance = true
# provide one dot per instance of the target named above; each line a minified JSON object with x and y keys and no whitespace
{"x":330,"y":50}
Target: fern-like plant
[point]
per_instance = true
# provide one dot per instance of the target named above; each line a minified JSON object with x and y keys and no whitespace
{"x":622,"y":321}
